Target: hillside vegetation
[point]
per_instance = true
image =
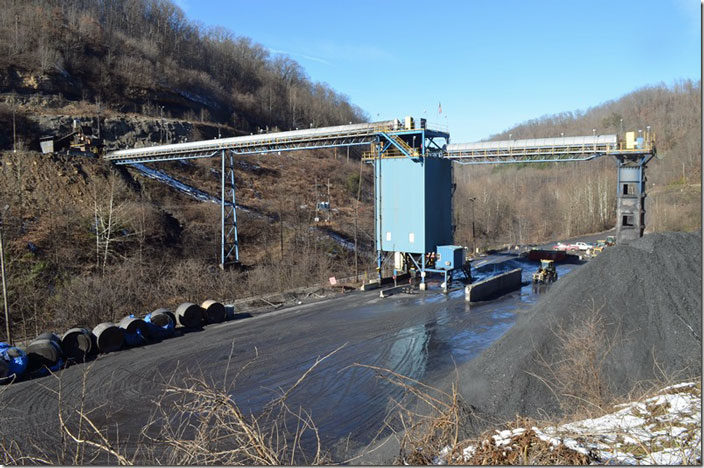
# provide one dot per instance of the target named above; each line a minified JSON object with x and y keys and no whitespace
{"x":145,"y":56}
{"x":539,"y":202}
{"x":87,"y":241}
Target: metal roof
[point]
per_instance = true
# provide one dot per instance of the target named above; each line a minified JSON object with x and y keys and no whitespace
{"x":561,"y":142}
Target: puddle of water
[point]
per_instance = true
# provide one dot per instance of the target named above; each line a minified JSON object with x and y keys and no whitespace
{"x":446,"y":332}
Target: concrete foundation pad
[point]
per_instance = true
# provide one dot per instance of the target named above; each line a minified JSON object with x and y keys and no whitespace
{"x":395,"y":290}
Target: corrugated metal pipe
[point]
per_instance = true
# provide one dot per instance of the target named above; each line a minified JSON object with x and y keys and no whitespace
{"x":78,"y":344}
{"x":189,"y":315}
{"x":109,"y":337}
{"x":214,"y":311}
{"x":136,"y":330}
{"x":45,"y":352}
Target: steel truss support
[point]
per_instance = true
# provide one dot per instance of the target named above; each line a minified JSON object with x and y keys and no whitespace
{"x":630,"y":204}
{"x":229,"y":244}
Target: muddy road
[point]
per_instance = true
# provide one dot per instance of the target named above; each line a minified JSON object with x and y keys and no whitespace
{"x":422,"y":336}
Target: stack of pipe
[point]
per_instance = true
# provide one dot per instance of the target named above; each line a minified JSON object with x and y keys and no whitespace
{"x":78,"y":344}
{"x":136,"y":330}
{"x":47,"y":352}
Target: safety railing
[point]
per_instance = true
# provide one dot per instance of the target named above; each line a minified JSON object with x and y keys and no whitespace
{"x":532,"y":151}
{"x":284,"y":140}
{"x":509,"y":150}
{"x":647,"y":147}
{"x":437,"y":126}
{"x":400,"y":142}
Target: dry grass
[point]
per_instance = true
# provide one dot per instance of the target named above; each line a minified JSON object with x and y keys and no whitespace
{"x":194,"y":422}
{"x":199,"y":423}
{"x":575,"y":376}
{"x":523,"y":447}
{"x":431,"y":425}
{"x":425,"y":418}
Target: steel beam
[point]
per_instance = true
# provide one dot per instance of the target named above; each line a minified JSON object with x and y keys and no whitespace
{"x":630,"y":204}
{"x":229,"y":244}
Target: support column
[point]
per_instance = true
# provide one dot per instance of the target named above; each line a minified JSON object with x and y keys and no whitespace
{"x":378,"y":206}
{"x":229,"y":244}
{"x":422,"y":285}
{"x":630,"y":204}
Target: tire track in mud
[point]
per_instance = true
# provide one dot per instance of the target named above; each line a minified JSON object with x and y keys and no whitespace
{"x":415,"y":335}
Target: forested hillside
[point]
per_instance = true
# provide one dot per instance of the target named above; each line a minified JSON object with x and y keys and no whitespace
{"x":539,"y":202}
{"x":90,"y":241}
{"x":86,"y":241}
{"x":135,"y":56}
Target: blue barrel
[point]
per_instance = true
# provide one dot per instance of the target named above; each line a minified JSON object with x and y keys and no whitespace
{"x":136,"y":330}
{"x":45,"y":354}
{"x":14,"y":362}
{"x":109,"y":337}
{"x":161,"y":323}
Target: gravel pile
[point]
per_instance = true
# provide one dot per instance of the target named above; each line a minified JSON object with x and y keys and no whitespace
{"x":649,"y":299}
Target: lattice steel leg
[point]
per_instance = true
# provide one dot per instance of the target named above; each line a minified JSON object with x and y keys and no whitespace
{"x":229,"y":244}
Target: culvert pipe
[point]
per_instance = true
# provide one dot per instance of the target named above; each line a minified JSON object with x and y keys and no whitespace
{"x":15,"y":362}
{"x":109,"y":337}
{"x":45,"y":352}
{"x":136,"y":330}
{"x":161,"y":323}
{"x":214,"y":312}
{"x":189,"y":315}
{"x":78,"y":344}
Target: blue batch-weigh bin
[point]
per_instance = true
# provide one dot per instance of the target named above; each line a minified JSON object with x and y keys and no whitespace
{"x":449,"y":257}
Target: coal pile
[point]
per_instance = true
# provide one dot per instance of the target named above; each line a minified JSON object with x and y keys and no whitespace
{"x":648,"y":300}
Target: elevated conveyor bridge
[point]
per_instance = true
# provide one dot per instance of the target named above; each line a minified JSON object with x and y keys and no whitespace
{"x":633,"y":153}
{"x":405,"y":140}
{"x":326,"y":137}
{"x":415,"y":141}
{"x":541,"y":150}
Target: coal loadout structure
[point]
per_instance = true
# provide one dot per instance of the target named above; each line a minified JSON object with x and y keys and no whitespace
{"x":413,"y":187}
{"x":414,"y":335}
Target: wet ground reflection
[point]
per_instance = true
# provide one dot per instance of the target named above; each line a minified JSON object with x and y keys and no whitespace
{"x":422,"y":336}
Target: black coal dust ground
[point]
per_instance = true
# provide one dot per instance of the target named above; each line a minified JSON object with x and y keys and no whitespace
{"x":423,"y":336}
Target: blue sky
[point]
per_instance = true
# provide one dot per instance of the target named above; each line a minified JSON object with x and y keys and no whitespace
{"x":491,"y":64}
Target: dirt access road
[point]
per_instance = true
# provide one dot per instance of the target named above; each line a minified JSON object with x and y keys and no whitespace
{"x":422,"y":336}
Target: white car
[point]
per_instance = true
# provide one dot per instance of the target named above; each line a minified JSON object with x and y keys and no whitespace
{"x":583,"y":245}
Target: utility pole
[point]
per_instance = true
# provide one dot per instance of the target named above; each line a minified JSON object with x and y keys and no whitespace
{"x":98,"y":117}
{"x":14,"y":128}
{"x":327,"y":217}
{"x":161,"y":129}
{"x":4,"y":284}
{"x":17,"y":18}
{"x":281,"y":226}
{"x":14,"y":131}
{"x":474,"y":242}
{"x":356,"y":217}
